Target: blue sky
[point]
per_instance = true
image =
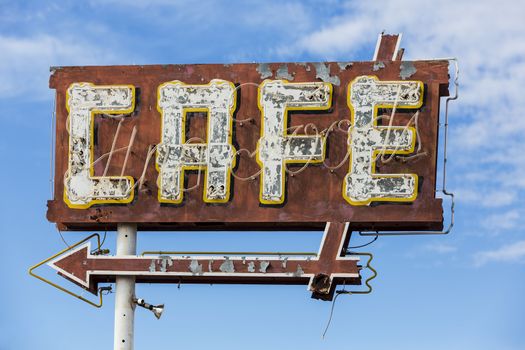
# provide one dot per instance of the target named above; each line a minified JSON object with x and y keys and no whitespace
{"x":462,"y":291}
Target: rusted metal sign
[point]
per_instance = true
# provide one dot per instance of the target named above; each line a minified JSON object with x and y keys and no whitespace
{"x":248,"y":146}
{"x":321,"y":271}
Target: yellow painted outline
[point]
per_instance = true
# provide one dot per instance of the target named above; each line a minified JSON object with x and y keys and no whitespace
{"x":285,"y":134}
{"x":183,"y":140}
{"x":376,"y":152}
{"x":91,"y":148}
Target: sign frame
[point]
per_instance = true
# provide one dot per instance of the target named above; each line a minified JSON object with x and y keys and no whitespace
{"x":300,"y":210}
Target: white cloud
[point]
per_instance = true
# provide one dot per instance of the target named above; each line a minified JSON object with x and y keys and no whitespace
{"x":433,"y":250}
{"x":25,"y":61}
{"x":346,"y":36}
{"x":486,"y":198}
{"x":441,"y":248}
{"x":500,"y":221}
{"x":509,"y":253}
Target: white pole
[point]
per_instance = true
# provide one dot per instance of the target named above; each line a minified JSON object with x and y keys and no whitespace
{"x":125,"y":290}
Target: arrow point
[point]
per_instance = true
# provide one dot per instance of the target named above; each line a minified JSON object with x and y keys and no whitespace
{"x":72,"y":265}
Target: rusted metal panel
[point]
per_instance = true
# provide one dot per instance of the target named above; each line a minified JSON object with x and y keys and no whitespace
{"x":322,"y":272}
{"x":311,"y":198}
{"x":388,"y":48}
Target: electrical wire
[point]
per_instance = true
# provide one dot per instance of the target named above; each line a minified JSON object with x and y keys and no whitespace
{"x":331,"y":314}
{"x":63,"y":240}
{"x":99,"y":248}
{"x":52,"y":156}
{"x":364,"y":245}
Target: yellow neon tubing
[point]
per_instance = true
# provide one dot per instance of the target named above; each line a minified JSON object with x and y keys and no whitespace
{"x":162,"y":252}
{"x":374,"y":275}
{"x":32,"y":268}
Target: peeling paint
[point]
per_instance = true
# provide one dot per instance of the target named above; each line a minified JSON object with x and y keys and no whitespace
{"x":284,"y":262}
{"x":407,"y":69}
{"x":264,"y":70}
{"x":299,"y":272}
{"x":305,"y":65}
{"x":282,"y":73}
{"x":263,"y":266}
{"x":322,"y":71}
{"x":53,"y":69}
{"x":165,"y":261}
{"x":251,"y":266}
{"x":195,"y":267}
{"x":216,"y":155}
{"x":275,"y":147}
{"x":344,"y":65}
{"x":361,"y":186}
{"x":81,"y":188}
{"x":210,"y":265}
{"x":152,"y":266}
{"x":227,"y":265}
{"x":378,"y":65}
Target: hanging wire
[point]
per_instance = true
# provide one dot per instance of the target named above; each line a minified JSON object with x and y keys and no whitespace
{"x":103,"y":239}
{"x":63,"y":240}
{"x":331,"y":314}
{"x":366,"y":244}
{"x":99,"y":250}
{"x":349,"y":292}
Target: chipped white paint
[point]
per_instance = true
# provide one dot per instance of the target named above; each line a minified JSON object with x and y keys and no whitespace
{"x":264,"y":70}
{"x":322,"y":71}
{"x":84,"y":100}
{"x":226,"y":269}
{"x":215,"y":157}
{"x":195,"y":267}
{"x":275,"y":147}
{"x":366,"y":140}
{"x":282,"y":73}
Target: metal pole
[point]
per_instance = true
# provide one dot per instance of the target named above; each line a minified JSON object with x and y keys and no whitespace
{"x":125,"y":290}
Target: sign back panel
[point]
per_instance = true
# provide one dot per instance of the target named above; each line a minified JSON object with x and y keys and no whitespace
{"x":248,"y":146}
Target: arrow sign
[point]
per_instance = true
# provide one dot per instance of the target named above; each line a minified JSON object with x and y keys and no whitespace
{"x":321,"y":273}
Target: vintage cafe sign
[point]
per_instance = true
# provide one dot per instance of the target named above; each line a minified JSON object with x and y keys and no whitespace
{"x":294,"y":144}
